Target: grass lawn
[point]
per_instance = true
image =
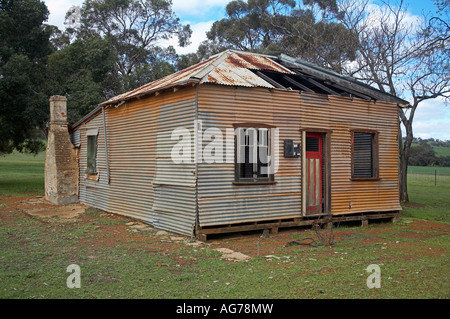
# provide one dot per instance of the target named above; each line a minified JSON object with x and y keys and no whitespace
{"x":427,"y":200}
{"x":119,"y":261}
{"x":22,"y":173}
{"x":429,"y":170}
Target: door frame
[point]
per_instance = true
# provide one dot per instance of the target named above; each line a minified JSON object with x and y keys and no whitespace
{"x":326,"y":170}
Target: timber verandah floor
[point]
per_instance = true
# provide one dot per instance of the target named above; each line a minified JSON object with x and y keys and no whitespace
{"x":324,"y":220}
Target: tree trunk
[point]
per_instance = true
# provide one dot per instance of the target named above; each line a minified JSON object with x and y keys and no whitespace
{"x":404,"y":151}
{"x":403,"y":179}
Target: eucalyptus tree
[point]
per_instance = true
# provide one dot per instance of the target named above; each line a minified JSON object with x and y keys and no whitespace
{"x":24,"y":49}
{"x":134,"y":29}
{"x":309,"y":31}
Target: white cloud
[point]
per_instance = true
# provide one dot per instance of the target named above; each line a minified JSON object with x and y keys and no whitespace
{"x":201,"y":9}
{"x":379,"y":13}
{"x":58,"y":9}
{"x":197,"y":9}
{"x":198,"y":35}
{"x":432,"y":119}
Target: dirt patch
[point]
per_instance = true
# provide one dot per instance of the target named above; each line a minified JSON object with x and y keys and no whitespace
{"x":40,"y":207}
{"x":69,"y":211}
{"x":232,"y":255}
{"x":138,"y":226}
{"x":110,"y":230}
{"x":384,"y":235}
{"x":6,"y":200}
{"x":427,"y":226}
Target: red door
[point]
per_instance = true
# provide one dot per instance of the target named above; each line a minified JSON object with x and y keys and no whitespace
{"x":313,"y":172}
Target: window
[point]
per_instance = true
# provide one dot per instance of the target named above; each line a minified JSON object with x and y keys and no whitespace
{"x":365,"y":155}
{"x":91,"y":152}
{"x":312,"y":144}
{"x":254,"y":155}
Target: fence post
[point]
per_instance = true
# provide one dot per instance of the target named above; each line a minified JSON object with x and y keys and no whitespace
{"x":435,"y":177}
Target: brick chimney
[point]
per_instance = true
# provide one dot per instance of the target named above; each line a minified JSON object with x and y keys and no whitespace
{"x":61,"y":162}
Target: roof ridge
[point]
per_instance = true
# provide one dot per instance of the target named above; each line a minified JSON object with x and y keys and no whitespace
{"x":211,"y":66}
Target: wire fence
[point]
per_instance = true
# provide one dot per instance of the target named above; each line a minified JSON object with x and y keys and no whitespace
{"x":429,"y":175}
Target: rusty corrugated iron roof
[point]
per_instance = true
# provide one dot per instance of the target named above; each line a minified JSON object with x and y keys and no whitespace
{"x":227,"y":68}
{"x":179,"y":78}
{"x":237,"y":68}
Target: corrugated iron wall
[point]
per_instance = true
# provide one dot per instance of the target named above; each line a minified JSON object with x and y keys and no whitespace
{"x":144,"y":183}
{"x":174,"y":205}
{"x":93,"y":192}
{"x":342,"y":115}
{"x":349,"y":196}
{"x":75,"y":138}
{"x":221,"y":202}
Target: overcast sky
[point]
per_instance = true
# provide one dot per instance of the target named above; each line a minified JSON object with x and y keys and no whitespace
{"x":432,"y":118}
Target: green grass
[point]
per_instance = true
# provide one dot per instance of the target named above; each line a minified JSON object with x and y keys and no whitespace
{"x":427,"y":200}
{"x":429,"y":170}
{"x":35,"y":257}
{"x":22,"y":173}
{"x":35,"y":253}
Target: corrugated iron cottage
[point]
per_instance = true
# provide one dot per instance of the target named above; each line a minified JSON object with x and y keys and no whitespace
{"x":242,"y":141}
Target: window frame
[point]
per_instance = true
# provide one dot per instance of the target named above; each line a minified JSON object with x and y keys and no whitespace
{"x":90,"y":135}
{"x":375,"y":152}
{"x":246,"y":181}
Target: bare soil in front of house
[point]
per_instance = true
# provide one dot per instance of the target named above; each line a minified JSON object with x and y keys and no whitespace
{"x":252,"y":243}
{"x":248,"y":244}
{"x":290,"y":264}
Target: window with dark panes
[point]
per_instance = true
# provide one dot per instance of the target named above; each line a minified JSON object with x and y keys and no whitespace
{"x":364,"y":155}
{"x":312,"y":144}
{"x":253,"y":155}
{"x":91,"y":154}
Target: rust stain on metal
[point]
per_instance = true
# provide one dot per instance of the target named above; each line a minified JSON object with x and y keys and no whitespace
{"x":223,"y":78}
{"x":211,"y":78}
{"x":261,"y":63}
{"x":236,"y":62}
{"x":233,"y":69}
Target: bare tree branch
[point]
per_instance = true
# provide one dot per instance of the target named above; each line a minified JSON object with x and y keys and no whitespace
{"x":402,"y":57}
